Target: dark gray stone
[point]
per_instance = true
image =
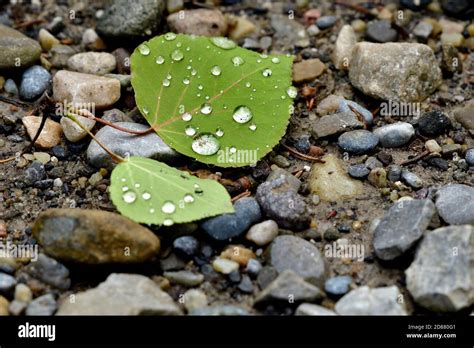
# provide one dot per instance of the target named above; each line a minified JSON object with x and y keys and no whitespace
{"x":455,"y":204}
{"x":34,"y":82}
{"x":381,"y":31}
{"x":42,"y":306}
{"x":358,"y":141}
{"x":411,"y":179}
{"x":358,"y":171}
{"x":50,"y":272}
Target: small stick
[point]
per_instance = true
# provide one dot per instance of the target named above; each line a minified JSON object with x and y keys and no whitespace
{"x":302,"y":156}
{"x":241,"y":195}
{"x":415,"y":159}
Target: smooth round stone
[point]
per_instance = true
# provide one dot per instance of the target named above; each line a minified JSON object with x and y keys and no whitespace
{"x":394,"y":173}
{"x":10,"y":87}
{"x":186,"y":245}
{"x":455,"y":204}
{"x":412,"y":179}
{"x":433,"y":123}
{"x":338,"y":286}
{"x":358,"y":171}
{"x":7,"y":283}
{"x":458,"y":8}
{"x":346,"y":105}
{"x":381,"y":31}
{"x":358,"y":141}
{"x":470,"y":157}
{"x":35,"y":81}
{"x":325,"y":22}
{"x":395,"y":135}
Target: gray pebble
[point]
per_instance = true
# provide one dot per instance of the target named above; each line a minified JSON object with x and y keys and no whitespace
{"x":358,"y":141}
{"x":395,"y":135}
{"x":34,"y":82}
{"x":42,"y":306}
{"x":338,"y":286}
{"x":358,"y":171}
{"x":411,"y":179}
{"x":325,"y":22}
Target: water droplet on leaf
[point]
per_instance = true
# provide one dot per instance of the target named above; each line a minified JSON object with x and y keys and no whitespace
{"x":216,"y":71}
{"x":146,"y":196}
{"x":205,"y":144}
{"x":242,"y":114}
{"x":223,"y":42}
{"x":206,"y":109}
{"x":237,"y":61}
{"x":168,"y":207}
{"x":187,"y":117}
{"x":144,"y":50}
{"x":267,"y":72}
{"x":188,"y":198}
{"x":160,"y":60}
{"x":170,"y":36}
{"x":292,"y":92}
{"x":129,"y":197}
{"x":190,"y":131}
{"x":177,"y":55}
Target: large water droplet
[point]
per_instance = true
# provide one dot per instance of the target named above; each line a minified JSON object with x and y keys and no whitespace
{"x":144,"y":50}
{"x":206,"y":109}
{"x":179,"y":44}
{"x":129,"y":197}
{"x":223,"y":42}
{"x":267,"y":72}
{"x":146,"y":196}
{"x":205,"y":144}
{"x":190,"y":131}
{"x":177,"y":55}
{"x":219,"y":132}
{"x":168,"y":207}
{"x":166,"y":82}
{"x":242,"y":114}
{"x":200,"y":87}
{"x":170,"y":36}
{"x":237,"y":61}
{"x":160,"y":60}
{"x":248,"y":84}
{"x":186,"y":81}
{"x":292,"y":92}
{"x":216,"y":71}
{"x":125,"y":188}
{"x":187,"y":117}
{"x":275,"y":60}
{"x":188,"y":198}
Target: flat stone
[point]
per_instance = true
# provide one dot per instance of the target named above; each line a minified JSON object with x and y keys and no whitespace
{"x":288,"y":287}
{"x":239,"y":254}
{"x":358,"y":141}
{"x":263,"y":233}
{"x":85,"y":89}
{"x":42,"y":306}
{"x":7,"y":283}
{"x":202,"y":22}
{"x":225,"y":266}
{"x":34,"y":82}
{"x":330,"y":181}
{"x":395,"y":134}
{"x":297,"y":255}
{"x":149,"y":145}
{"x":185,"y":278}
{"x":122,"y":294}
{"x":411,"y":179}
{"x":401,"y":72}
{"x":423,"y":30}
{"x":16,"y":49}
{"x":338,"y":286}
{"x":222,"y":310}
{"x":401,"y":227}
{"x":336,"y":124}
{"x":367,"y":301}
{"x":329,"y":105}
{"x":305,"y":309}
{"x":326,"y":22}
{"x":47,"y":40}
{"x":358,"y":171}
{"x":307,"y":70}
{"x":96,"y":63}
{"x":194,"y":299}
{"x":93,"y":237}
{"x":288,"y":31}
{"x":125,"y":19}
{"x":464,"y":115}
{"x":50,"y":272}
{"x":71,"y":129}
{"x":455,"y":204}
{"x":381,"y":31}
{"x":346,"y":40}
{"x":50,"y":135}
{"x":227,"y":226}
{"x":441,"y":276}
{"x":349,"y":105}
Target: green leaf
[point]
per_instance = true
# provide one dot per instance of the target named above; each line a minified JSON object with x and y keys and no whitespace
{"x":148,"y":191}
{"x":211,"y":100}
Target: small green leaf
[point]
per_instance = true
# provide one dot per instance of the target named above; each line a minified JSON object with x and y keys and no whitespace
{"x":211,"y":100}
{"x":151,"y":192}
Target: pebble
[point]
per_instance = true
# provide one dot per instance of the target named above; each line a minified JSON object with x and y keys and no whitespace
{"x":346,"y":105}
{"x":227,"y":226}
{"x":7,"y":283}
{"x":381,"y":31}
{"x":395,"y":134}
{"x":3,"y":306}
{"x":47,"y":40}
{"x":42,"y":157}
{"x":336,"y":124}
{"x":450,"y":59}
{"x":96,"y":63}
{"x":34,"y":82}
{"x":382,"y":71}
{"x":60,"y":55}
{"x":201,"y":22}
{"x":326,"y":22}
{"x":50,"y":135}
{"x":253,"y":267}
{"x":313,"y":30}
{"x":49,"y":271}
{"x":307,"y":70}
{"x":358,"y":171}
{"x":458,"y":8}
{"x":440,"y":279}
{"x":338,"y":286}
{"x":454,"y":39}
{"x":263,"y":233}
{"x":23,"y":293}
{"x":288,"y":31}
{"x":281,"y":202}
{"x":122,"y":294}
{"x":121,"y":143}
{"x":368,"y":301}
{"x":185,"y":278}
{"x":305,"y":309}
{"x":16,"y":49}
{"x":415,"y":5}
{"x":35,"y":172}
{"x":455,"y":204}
{"x":373,"y":162}
{"x":92,"y":41}
{"x":433,"y":123}
{"x":79,"y":88}
{"x":401,"y":227}
{"x":450,"y":149}
{"x":220,"y":310}
{"x":42,"y":306}
{"x":411,"y":179}
{"x":329,"y":105}
{"x":432,"y":146}
{"x":71,"y":129}
{"x":470,"y":157}
{"x":186,"y":245}
{"x":225,"y":266}
{"x":194,"y":299}
{"x":131,"y":19}
{"x":246,"y":285}
{"x":346,"y":40}
{"x":296,"y":254}
{"x":378,"y":177}
{"x":358,"y":141}
{"x":10,"y":87}
{"x":423,"y":30}
{"x":240,"y":27}
{"x":288,"y":287}
{"x":17,"y":308}
{"x":330,"y":181}
{"x":115,"y":115}
{"x":239,"y":254}
{"x":93,"y":237}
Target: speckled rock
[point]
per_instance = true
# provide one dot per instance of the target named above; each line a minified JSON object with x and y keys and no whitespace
{"x":16,"y":49}
{"x":96,"y":63}
{"x":34,"y":82}
{"x":49,"y":137}
{"x":455,"y":204}
{"x":346,"y":40}
{"x":198,"y":22}
{"x":312,"y":309}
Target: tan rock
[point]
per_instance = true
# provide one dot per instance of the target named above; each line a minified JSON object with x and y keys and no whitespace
{"x":238,"y":254}
{"x":80,"y":89}
{"x":72,"y":131}
{"x":4,"y":306}
{"x":329,"y":105}
{"x":343,"y":48}
{"x":50,"y":135}
{"x":240,"y":27}
{"x":307,"y":70}
{"x":47,"y":40}
{"x":198,"y":22}
{"x":96,"y":63}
